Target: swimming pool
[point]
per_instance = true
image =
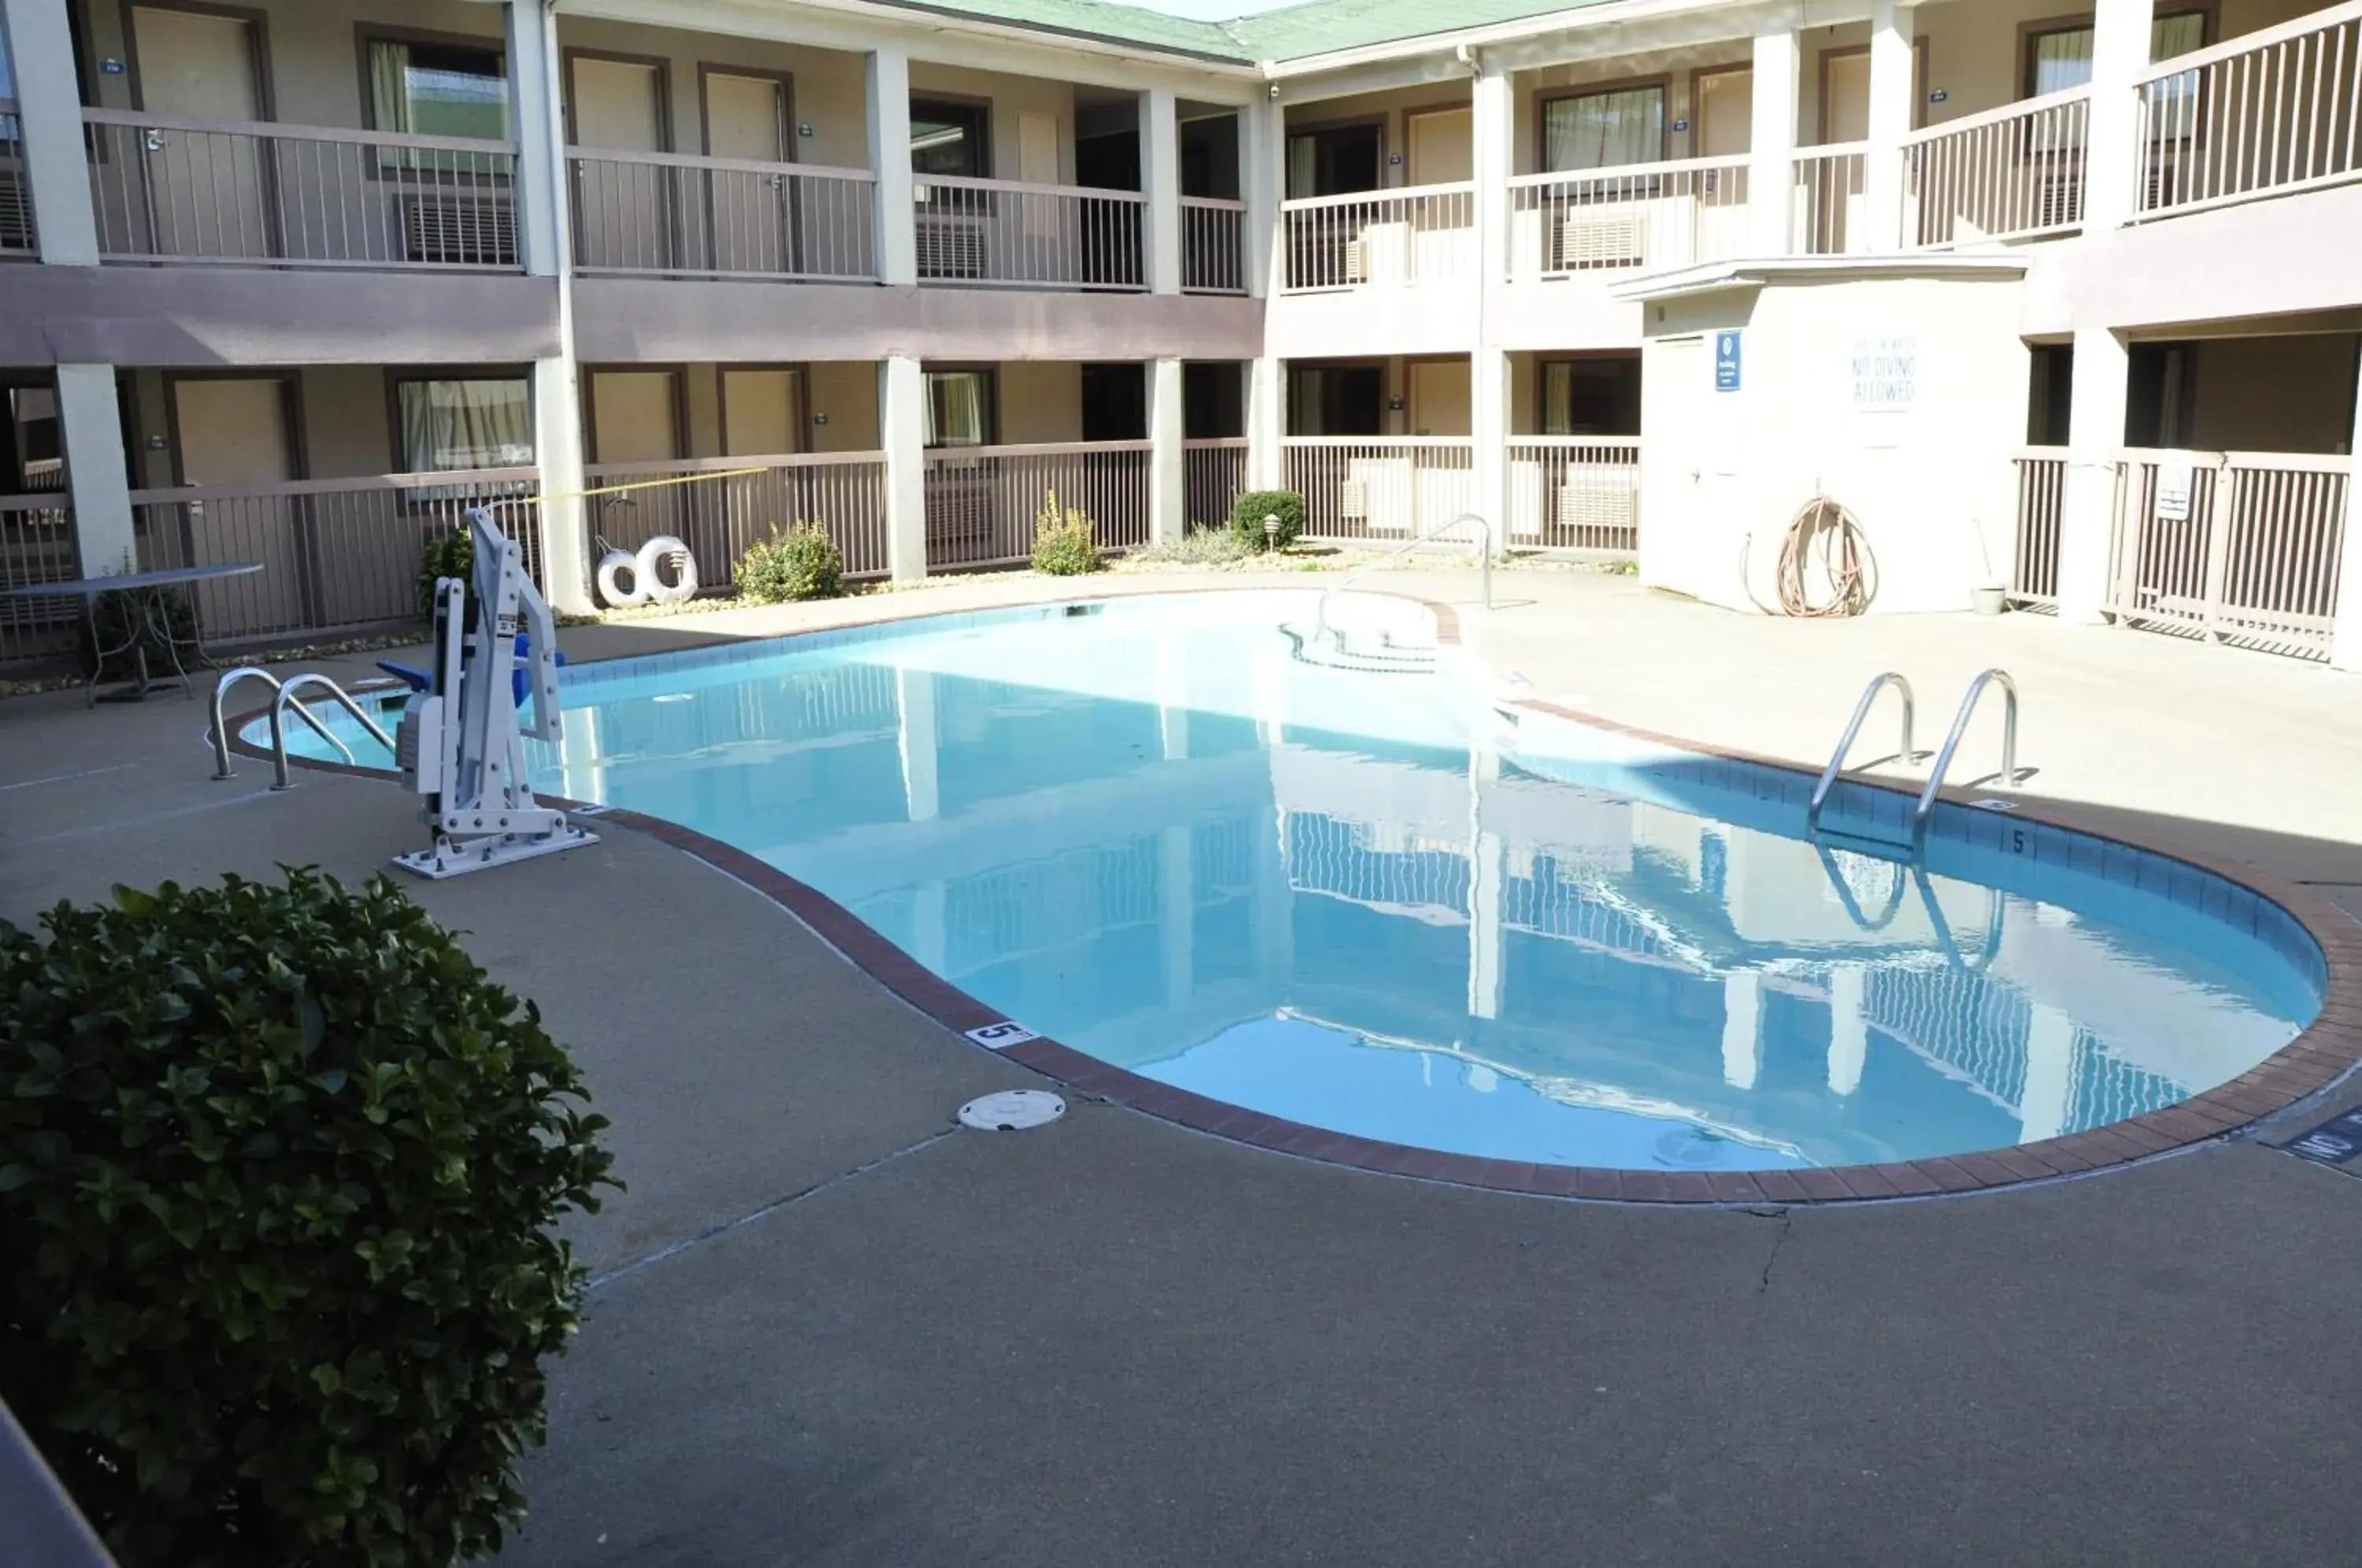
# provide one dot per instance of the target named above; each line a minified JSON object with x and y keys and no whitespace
{"x":1365,"y":899}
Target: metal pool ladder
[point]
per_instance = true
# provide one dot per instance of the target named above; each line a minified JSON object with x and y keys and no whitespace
{"x":284,"y":698}
{"x":1320,"y":617}
{"x":1943,"y":764}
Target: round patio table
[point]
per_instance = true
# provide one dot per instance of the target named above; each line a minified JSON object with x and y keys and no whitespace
{"x":150,"y":589}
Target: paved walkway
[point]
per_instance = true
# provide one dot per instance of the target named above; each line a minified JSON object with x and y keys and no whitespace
{"x":828,"y":1329}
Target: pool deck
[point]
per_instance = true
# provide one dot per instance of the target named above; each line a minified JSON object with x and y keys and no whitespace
{"x":828,"y":1328}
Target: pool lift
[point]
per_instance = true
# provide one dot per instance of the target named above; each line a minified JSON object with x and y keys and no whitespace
{"x":461,"y":742}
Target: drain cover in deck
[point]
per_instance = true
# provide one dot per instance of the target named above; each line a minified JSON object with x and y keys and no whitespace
{"x":1012,"y":1111}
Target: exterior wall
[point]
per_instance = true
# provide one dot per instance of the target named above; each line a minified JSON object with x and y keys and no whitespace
{"x":1010,"y":96}
{"x":1676,"y":67}
{"x":829,"y":90}
{"x":1040,"y":402}
{"x":1390,"y":109}
{"x":2274,"y":394}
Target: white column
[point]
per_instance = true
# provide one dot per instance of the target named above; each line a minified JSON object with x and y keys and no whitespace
{"x":889,"y":158}
{"x":1742,"y":1028}
{"x":1262,"y":184}
{"x":1894,"y":104}
{"x":2050,"y":1073}
{"x":915,"y":735}
{"x":90,"y":421}
{"x":1849,"y":1030}
{"x":558,"y":444}
{"x":1172,"y":698}
{"x":534,"y":85}
{"x":2345,"y":633}
{"x":1771,"y":151}
{"x":1488,"y":393}
{"x":1159,"y":182}
{"x":1266,"y":423}
{"x":1487,"y":891}
{"x":902,"y":431}
{"x":1179,"y":916}
{"x":1168,"y":487}
{"x":2120,"y":46}
{"x":1488,"y":370}
{"x":2095,"y":434}
{"x":49,"y":107}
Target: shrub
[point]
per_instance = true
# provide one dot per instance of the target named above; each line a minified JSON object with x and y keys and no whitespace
{"x":445,"y":555}
{"x":802,"y":563}
{"x":1201,"y":548}
{"x":278,"y":1169}
{"x":126,"y":621}
{"x":1062,"y":540}
{"x":1249,"y":511}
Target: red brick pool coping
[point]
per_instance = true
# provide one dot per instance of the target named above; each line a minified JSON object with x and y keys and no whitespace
{"x":2324,"y":1052}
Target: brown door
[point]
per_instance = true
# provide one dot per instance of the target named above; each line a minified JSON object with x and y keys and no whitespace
{"x":747,"y":118}
{"x":1723,"y":114}
{"x":762,"y":412}
{"x":621,"y":209}
{"x":233,"y":432}
{"x":207,"y":192}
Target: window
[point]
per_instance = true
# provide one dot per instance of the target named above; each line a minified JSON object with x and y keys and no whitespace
{"x":1601,"y":130}
{"x":2059,"y":58}
{"x":960,"y":408}
{"x":455,"y":424}
{"x":31,"y":454}
{"x":1592,"y":397}
{"x":950,"y":138}
{"x":436,"y":89}
{"x":1334,"y":161}
{"x":1336,"y":400}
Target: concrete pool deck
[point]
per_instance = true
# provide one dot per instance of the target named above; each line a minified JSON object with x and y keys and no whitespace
{"x":829,"y":1330}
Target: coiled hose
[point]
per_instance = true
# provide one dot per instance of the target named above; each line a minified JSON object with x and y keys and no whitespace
{"x":1851,"y":571}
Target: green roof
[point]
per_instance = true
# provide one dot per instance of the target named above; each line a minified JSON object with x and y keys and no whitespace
{"x":1316,"y":26}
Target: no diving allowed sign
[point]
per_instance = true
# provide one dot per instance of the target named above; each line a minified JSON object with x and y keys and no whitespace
{"x":2337,"y":1141}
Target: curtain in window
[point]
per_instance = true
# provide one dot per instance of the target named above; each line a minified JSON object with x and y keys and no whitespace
{"x":447,"y":426}
{"x":389,"y":73}
{"x":1602,"y":130}
{"x":955,"y":409}
{"x":1558,"y":399}
{"x":1303,"y":166}
{"x":2063,"y":60}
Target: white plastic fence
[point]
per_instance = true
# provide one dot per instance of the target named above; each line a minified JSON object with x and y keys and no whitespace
{"x":2235,"y":546}
{"x":1421,"y":234}
{"x":17,"y":235}
{"x":1576,"y":492}
{"x":718,"y":512}
{"x":2014,"y":173}
{"x":1215,"y":475}
{"x":1832,"y":201}
{"x":2041,"y":511}
{"x":1394,"y":486}
{"x":1213,"y":246}
{"x":2274,"y":111}
{"x":982,"y":500}
{"x":672,"y":215}
{"x":167,"y":188}
{"x":1007,"y":232}
{"x":37,"y":545}
{"x":336,"y":554}
{"x":1657,"y":216}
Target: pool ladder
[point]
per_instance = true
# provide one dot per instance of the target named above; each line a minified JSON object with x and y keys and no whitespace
{"x":284,"y":698}
{"x":1484,"y":562}
{"x":1943,"y":765}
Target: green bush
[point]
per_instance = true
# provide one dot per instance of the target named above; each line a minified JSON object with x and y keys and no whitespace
{"x":1249,"y":511}
{"x":279,"y":1167}
{"x":802,"y":563}
{"x":445,"y":555}
{"x":1062,"y":540}
{"x":1200,"y":548}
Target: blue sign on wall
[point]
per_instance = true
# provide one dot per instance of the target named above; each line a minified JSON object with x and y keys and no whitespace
{"x":1725,"y":361}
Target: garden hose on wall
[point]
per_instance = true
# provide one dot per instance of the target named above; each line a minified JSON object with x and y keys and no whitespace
{"x":1822,"y":527}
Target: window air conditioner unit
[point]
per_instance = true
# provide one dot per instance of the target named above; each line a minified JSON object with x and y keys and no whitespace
{"x":473,"y":231}
{"x":1353,"y":499}
{"x":950,"y":247}
{"x":1357,"y":261}
{"x":1604,"y":241}
{"x":2062,"y":199}
{"x":1596,"y":506}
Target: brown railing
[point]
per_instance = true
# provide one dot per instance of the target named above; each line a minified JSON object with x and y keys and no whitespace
{"x":1009,"y":233}
{"x":37,"y":545}
{"x":982,"y":500}
{"x":1832,"y":201}
{"x":167,"y":188}
{"x":17,"y":235}
{"x":2272,"y":112}
{"x":1422,"y":233}
{"x":1215,"y":475}
{"x":1380,"y":487}
{"x":2041,"y":511}
{"x":1213,"y":249}
{"x":666,"y":214}
{"x":719,"y":512}
{"x":336,"y":554}
{"x":1654,"y":216}
{"x":1576,"y":492}
{"x":2015,"y":172}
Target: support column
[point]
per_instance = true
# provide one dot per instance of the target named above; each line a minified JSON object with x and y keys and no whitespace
{"x":2049,"y":1075}
{"x":1488,"y":394}
{"x":90,"y":423}
{"x":1263,"y":185}
{"x":1894,"y":104}
{"x":1848,"y":1028}
{"x":897,"y":247}
{"x":1159,"y":182}
{"x":1488,"y":370}
{"x":1487,"y":891}
{"x":1771,"y":155}
{"x":1742,"y":1028}
{"x":535,"y":85}
{"x":2345,"y":630}
{"x":48,"y":110}
{"x":2095,"y":434}
{"x":1266,"y":423}
{"x":1168,"y":476}
{"x":1172,"y":699}
{"x":902,"y":433}
{"x":557,"y":446}
{"x":915,"y":738}
{"x":544,"y":231}
{"x":2120,"y":46}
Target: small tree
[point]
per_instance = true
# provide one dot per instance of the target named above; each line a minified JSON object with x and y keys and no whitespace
{"x":445,"y":555}
{"x":1249,"y":512}
{"x":1062,"y":540}
{"x":278,"y":1169}
{"x":801,"y":563}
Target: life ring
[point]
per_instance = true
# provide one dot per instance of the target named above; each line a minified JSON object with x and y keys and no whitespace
{"x":655,"y":555}
{"x":616,"y":563}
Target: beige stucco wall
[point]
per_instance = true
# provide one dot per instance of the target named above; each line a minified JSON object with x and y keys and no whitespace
{"x":1041,"y":400}
{"x":1010,"y":96}
{"x":2274,"y":394}
{"x":828,"y":91}
{"x":1676,"y":67}
{"x":1390,"y":109}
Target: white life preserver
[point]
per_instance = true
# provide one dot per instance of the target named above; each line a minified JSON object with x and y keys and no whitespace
{"x":655,"y":555}
{"x":623,"y":562}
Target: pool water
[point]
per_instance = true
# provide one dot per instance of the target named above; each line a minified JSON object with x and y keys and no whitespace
{"x":1362,"y":900}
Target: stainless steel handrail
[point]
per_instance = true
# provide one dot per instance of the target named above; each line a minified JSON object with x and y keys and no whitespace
{"x":1952,"y":744}
{"x":1321,"y":617}
{"x":220,"y":731}
{"x":1852,"y":730}
{"x":279,"y":775}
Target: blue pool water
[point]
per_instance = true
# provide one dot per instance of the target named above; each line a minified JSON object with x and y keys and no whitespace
{"x":1363,"y":901}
